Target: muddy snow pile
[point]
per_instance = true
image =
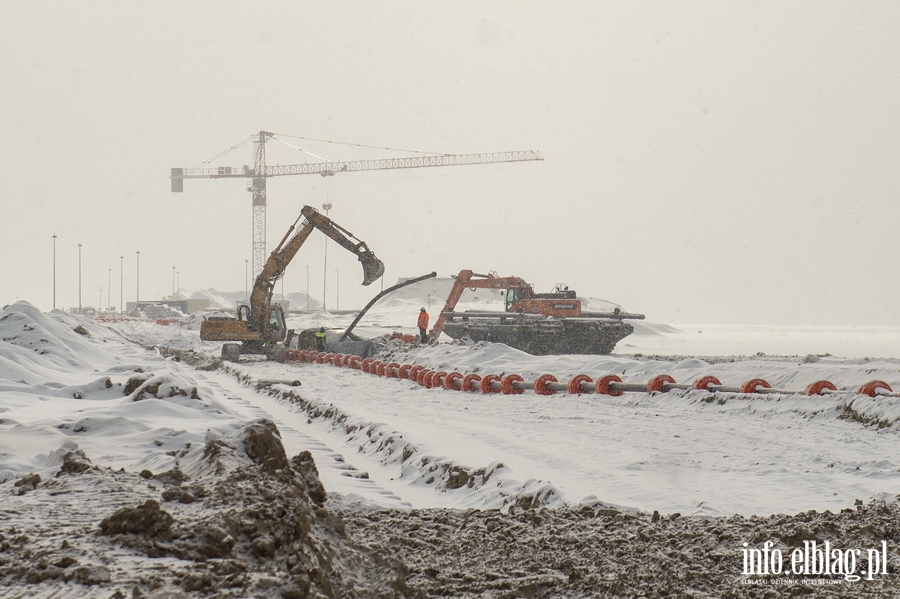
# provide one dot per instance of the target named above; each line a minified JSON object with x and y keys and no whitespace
{"x":604,"y":552}
{"x":111,"y":454}
{"x":234,"y":518}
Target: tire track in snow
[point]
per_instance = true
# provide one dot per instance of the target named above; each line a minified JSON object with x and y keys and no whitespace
{"x":336,"y":473}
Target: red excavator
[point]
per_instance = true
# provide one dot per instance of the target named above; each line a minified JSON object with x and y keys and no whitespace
{"x":260,"y":327}
{"x":537,"y":323}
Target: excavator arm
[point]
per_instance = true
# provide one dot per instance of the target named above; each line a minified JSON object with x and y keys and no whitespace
{"x":281,"y":256}
{"x":466,"y":279}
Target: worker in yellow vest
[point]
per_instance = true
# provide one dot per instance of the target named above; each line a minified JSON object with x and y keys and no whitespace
{"x":320,"y":339}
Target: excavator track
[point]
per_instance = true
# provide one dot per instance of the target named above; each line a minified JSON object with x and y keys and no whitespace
{"x":542,"y":337}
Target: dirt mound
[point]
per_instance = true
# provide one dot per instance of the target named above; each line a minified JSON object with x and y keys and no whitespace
{"x":602,"y":552}
{"x":145,"y":520}
{"x":247,"y":523}
{"x":75,"y":462}
{"x":263,"y":446}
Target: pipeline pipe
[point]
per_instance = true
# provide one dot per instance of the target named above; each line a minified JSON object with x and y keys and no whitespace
{"x":378,"y":297}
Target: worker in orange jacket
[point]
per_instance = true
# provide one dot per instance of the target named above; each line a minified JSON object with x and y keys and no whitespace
{"x":423,"y":325}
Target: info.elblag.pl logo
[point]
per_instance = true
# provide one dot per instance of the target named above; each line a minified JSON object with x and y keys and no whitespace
{"x":816,"y":559}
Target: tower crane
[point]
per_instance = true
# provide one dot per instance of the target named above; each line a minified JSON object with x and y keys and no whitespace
{"x":260,"y":171}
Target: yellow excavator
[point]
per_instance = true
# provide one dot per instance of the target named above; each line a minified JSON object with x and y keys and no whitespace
{"x":260,"y":327}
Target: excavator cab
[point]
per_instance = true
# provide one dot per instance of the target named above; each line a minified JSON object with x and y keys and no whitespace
{"x":277,"y":329}
{"x":514,"y":296}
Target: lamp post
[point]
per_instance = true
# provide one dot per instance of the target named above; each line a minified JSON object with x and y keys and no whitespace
{"x":173,"y":283}
{"x":79,"y":278}
{"x":54,"y":271}
{"x":121,"y":282}
{"x":108,"y":290}
{"x":326,"y":207}
{"x":137,"y":299}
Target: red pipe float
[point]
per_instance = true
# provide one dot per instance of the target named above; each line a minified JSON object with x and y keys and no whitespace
{"x":487,"y":383}
{"x":540,"y":384}
{"x":871,"y":388}
{"x":508,"y":385}
{"x":753,"y":386}
{"x":450,"y":381}
{"x":468,"y":380}
{"x":577,"y":382}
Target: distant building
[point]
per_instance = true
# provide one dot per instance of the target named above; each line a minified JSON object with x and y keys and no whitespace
{"x":184,"y":306}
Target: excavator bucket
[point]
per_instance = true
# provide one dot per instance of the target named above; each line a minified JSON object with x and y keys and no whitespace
{"x":373,"y":268}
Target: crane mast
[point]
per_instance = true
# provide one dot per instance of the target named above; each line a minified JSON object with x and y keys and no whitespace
{"x":261,"y":171}
{"x":258,"y":188}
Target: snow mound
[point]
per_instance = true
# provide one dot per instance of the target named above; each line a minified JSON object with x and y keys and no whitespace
{"x":58,"y":342}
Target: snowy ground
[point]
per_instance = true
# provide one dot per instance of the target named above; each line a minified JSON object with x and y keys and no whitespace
{"x":70,"y":383}
{"x":690,"y":452}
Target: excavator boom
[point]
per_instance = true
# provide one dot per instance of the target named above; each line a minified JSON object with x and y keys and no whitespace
{"x":282,"y":255}
{"x":258,"y":328}
{"x":472,"y":280}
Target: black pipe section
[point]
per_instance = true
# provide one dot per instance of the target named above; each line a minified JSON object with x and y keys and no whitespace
{"x":381,"y":295}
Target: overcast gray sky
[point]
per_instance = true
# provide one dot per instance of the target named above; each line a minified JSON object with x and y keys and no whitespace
{"x":704,"y":161}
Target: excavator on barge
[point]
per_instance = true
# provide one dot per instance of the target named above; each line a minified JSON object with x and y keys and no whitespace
{"x":259,"y":327}
{"x":537,"y":323}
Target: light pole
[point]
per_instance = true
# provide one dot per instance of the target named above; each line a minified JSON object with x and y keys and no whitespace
{"x":54,"y":271}
{"x":108,"y":290}
{"x":79,"y":278}
{"x":173,"y":283}
{"x":137,"y":299}
{"x":326,"y":207}
{"x":121,"y":282}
